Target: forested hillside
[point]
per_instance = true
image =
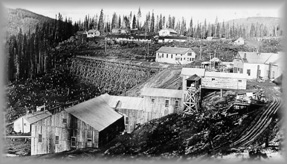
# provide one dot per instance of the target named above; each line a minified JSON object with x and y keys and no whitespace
{"x":32,"y":53}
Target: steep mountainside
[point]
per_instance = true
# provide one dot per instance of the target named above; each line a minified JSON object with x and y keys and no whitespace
{"x":24,"y":19}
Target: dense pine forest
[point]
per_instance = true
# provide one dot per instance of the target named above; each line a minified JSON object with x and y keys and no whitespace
{"x":30,"y":54}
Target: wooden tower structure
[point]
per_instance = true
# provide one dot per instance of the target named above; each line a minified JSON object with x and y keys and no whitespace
{"x":192,"y":94}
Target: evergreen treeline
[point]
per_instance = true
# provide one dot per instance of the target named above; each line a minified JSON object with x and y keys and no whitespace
{"x":153,"y":23}
{"x":29,"y":55}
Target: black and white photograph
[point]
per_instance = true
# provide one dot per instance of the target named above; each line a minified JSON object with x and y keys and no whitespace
{"x":146,"y":81}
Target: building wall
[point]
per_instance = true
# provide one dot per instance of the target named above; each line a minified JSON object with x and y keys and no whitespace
{"x":223,"y":82}
{"x":133,"y":117}
{"x":237,"y":65}
{"x":21,"y":125}
{"x":110,"y":132}
{"x":275,"y":71}
{"x":49,"y":128}
{"x":154,"y":107}
{"x":175,"y":58}
{"x":253,"y":70}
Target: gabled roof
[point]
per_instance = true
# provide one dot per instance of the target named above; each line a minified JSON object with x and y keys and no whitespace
{"x":156,"y":92}
{"x":36,"y":116}
{"x":192,"y":71}
{"x":173,"y":50}
{"x":95,"y":112}
{"x":134,"y":103}
{"x":254,"y":58}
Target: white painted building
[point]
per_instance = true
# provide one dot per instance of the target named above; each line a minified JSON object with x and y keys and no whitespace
{"x":264,"y":65}
{"x":167,"y":32}
{"x":239,"y":41}
{"x":23,"y":124}
{"x":175,"y":55}
{"x":93,"y":33}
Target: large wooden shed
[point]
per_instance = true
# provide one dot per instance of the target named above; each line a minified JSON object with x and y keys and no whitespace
{"x":92,"y":123}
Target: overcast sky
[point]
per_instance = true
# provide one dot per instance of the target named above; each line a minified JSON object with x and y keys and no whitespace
{"x":198,"y":10}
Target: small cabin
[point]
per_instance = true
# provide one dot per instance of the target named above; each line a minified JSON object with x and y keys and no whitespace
{"x":239,"y":41}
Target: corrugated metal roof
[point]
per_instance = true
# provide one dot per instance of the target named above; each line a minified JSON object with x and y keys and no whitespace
{"x":156,"y":92}
{"x":254,"y":58}
{"x":226,"y":75}
{"x":173,"y":50}
{"x":192,"y":71}
{"x":95,"y":112}
{"x":134,"y":103}
{"x":37,"y":116}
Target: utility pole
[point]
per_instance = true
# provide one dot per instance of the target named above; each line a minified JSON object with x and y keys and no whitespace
{"x":200,"y":52}
{"x":105,"y":46}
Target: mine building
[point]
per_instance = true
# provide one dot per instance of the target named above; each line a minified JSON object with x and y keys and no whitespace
{"x":196,"y":79}
{"x":175,"y":55}
{"x":130,"y":107}
{"x":258,"y":65}
{"x":161,"y":102}
{"x":92,"y":123}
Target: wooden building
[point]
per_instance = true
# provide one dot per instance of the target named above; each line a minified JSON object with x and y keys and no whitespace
{"x":175,"y":55}
{"x":239,"y":41}
{"x":161,"y":102}
{"x":23,"y":124}
{"x":222,"y":80}
{"x":167,"y":32}
{"x":215,"y":80}
{"x":256,"y":65}
{"x":131,"y":107}
{"x":92,"y":123}
{"x":92,"y":33}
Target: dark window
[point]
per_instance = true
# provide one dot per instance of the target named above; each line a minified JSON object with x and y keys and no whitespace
{"x":24,"y":124}
{"x":90,"y":135}
{"x":189,"y":54}
{"x":248,"y":72}
{"x":166,"y":55}
{"x":183,"y":58}
{"x":239,"y":80}
{"x":171,"y":55}
{"x":166,"y":103}
{"x":57,"y":140}
{"x":176,"y":104}
{"x":127,"y":120}
{"x":40,"y":138}
{"x":73,"y":141}
{"x":64,"y":120}
{"x":213,"y":79}
{"x":152,"y":100}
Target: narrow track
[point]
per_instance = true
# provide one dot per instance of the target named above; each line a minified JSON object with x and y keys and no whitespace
{"x":259,"y":126}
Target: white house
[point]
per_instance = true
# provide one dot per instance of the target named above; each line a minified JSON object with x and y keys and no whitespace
{"x":93,"y":33}
{"x":167,"y":32}
{"x":239,"y":41}
{"x":254,"y":64}
{"x":23,"y":124}
{"x":175,"y":55}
